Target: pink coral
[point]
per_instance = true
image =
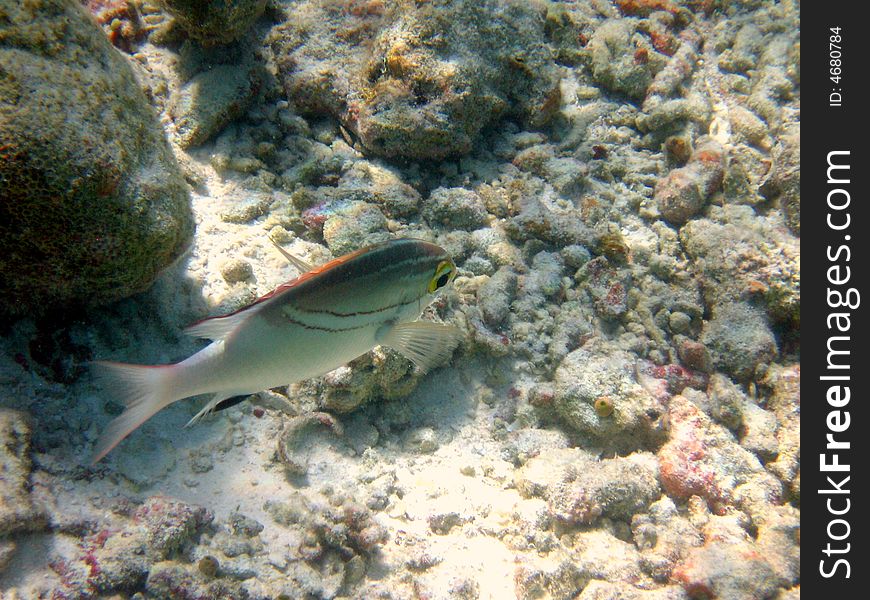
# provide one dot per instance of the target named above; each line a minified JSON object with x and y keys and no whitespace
{"x":702,"y":458}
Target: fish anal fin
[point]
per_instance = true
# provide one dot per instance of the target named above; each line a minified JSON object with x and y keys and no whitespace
{"x":210,"y":407}
{"x":425,"y":343}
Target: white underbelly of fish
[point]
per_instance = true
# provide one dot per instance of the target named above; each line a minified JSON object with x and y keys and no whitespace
{"x":267,"y":357}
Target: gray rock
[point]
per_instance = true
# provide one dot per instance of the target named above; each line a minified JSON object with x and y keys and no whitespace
{"x":597,"y":371}
{"x":419,"y":80}
{"x":495,"y":296}
{"x":684,"y":191}
{"x":760,"y":432}
{"x":726,"y":403}
{"x":545,"y":222}
{"x":7,"y":552}
{"x":171,"y":579}
{"x":235,"y":270}
{"x":605,"y":590}
{"x":478,"y":265}
{"x":613,"y":64}
{"x":739,"y":339}
{"x":741,"y":254}
{"x":539,"y":476}
{"x":456,"y":208}
{"x":170,"y":523}
{"x":784,"y":180}
{"x":211,"y":99}
{"x":617,"y":488}
{"x":17,"y":511}
{"x":422,"y":440}
{"x":354,"y":226}
{"x":144,"y":460}
{"x":664,"y":536}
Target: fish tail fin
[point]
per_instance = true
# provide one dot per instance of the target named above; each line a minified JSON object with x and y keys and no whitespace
{"x":145,"y":390}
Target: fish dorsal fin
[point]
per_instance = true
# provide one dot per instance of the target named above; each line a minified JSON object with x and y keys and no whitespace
{"x":297,"y":262}
{"x":218,"y":328}
{"x":425,"y":343}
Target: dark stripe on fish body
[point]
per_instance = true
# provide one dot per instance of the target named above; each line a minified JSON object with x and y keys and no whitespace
{"x":370,"y":266}
{"x":290,"y":319}
{"x":355,"y":287}
{"x":364,"y":272}
{"x":358,"y":313}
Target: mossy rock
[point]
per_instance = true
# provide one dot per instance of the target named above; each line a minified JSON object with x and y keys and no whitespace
{"x":92,"y":201}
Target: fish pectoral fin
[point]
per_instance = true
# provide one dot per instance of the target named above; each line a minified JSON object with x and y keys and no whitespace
{"x":425,"y":343}
{"x":208,"y":408}
{"x":297,"y":262}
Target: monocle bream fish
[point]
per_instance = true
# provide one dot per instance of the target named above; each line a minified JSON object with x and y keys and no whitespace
{"x":304,"y":328}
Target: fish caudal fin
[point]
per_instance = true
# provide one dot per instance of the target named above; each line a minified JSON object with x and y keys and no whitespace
{"x":144,"y":389}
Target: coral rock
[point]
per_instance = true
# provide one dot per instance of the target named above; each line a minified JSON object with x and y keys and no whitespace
{"x":742,"y":255}
{"x":613,"y":64}
{"x":702,"y":458}
{"x":215,"y":21}
{"x":91,"y":197}
{"x":211,"y":99}
{"x":605,"y":590}
{"x":616,"y":488}
{"x":785,"y":402}
{"x":456,"y":208}
{"x":683,"y":192}
{"x":739,"y":339}
{"x":17,"y":511}
{"x":732,"y":565}
{"x":170,"y":523}
{"x":418,"y":80}
{"x":664,"y":538}
{"x":590,"y":372}
{"x":784,"y":180}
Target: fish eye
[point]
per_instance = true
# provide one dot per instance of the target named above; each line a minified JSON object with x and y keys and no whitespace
{"x":443,"y":274}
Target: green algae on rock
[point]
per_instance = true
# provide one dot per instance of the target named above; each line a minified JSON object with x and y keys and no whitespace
{"x":418,"y":80}
{"x":92,"y":202}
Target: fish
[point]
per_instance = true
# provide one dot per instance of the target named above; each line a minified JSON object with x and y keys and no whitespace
{"x":304,"y":328}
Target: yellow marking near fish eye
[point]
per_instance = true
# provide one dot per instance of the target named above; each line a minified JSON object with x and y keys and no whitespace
{"x":443,"y":274}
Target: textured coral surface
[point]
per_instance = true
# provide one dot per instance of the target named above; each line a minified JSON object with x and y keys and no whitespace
{"x":92,"y":202}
